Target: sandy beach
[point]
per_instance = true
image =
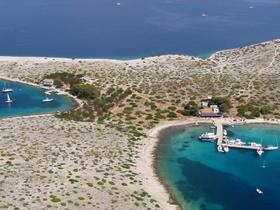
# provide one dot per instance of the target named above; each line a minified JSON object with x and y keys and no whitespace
{"x":148,"y":152}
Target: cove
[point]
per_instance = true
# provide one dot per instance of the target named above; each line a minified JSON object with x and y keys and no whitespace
{"x":27,"y":100}
{"x":200,"y":178}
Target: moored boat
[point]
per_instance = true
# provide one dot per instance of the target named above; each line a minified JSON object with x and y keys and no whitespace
{"x":260,"y":152}
{"x":46,"y":100}
{"x":9,"y":100}
{"x":208,"y":137}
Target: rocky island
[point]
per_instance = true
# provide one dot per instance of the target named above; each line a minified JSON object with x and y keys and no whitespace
{"x":100,"y":155}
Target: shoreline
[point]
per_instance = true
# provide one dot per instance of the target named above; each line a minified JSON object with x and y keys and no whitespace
{"x":148,"y":154}
{"x":77,"y":103}
{"x":211,"y":56}
{"x":153,"y":183}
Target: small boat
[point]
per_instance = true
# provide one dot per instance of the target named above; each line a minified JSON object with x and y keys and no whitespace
{"x":220,"y":148}
{"x":9,"y":100}
{"x":46,"y":100}
{"x":225,"y":132}
{"x":259,"y":191}
{"x":7,"y":90}
{"x":208,"y":137}
{"x":254,"y":144}
{"x":236,"y":142}
{"x":271,"y":148}
{"x":118,"y":4}
{"x":260,"y":152}
{"x":226,"y":149}
{"x":203,"y":14}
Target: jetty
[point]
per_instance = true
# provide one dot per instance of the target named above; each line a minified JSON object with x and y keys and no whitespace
{"x":223,"y":143}
{"x":219,"y":132}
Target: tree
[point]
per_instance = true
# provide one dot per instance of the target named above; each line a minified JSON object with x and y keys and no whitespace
{"x":223,"y":103}
{"x":84,"y":91}
{"x":190,"y":109}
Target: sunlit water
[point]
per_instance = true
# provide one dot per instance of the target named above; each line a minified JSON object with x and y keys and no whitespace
{"x":129,"y":28}
{"x":201,"y":178}
{"x":27,"y":100}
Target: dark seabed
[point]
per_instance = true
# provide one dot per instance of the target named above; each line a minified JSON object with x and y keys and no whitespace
{"x":106,"y":29}
{"x":27,"y":100}
{"x":201,"y":178}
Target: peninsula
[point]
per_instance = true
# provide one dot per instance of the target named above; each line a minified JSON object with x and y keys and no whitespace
{"x":100,"y":155}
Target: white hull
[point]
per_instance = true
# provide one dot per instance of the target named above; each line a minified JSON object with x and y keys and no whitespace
{"x":47,"y":100}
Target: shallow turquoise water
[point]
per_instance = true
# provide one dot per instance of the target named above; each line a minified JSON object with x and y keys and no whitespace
{"x":27,"y":100}
{"x":201,"y":178}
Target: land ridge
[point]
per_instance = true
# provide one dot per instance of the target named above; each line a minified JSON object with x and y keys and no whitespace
{"x":51,"y":163}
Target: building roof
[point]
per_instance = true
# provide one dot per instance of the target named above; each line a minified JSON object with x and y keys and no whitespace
{"x":209,"y":114}
{"x":206,"y":110}
{"x":48,"y":80}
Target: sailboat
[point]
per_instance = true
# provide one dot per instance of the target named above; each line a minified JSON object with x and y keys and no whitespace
{"x":46,"y":100}
{"x":9,"y":100}
{"x":6,"y":90}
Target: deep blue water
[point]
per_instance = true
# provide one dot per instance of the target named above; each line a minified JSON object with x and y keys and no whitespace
{"x":27,"y":100}
{"x":100,"y":28}
{"x":201,"y":178}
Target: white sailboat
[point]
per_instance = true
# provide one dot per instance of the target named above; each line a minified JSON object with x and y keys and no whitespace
{"x":9,"y":100}
{"x":7,"y":90}
{"x":46,"y":100}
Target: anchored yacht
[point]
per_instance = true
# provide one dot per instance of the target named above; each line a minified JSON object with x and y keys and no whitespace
{"x":9,"y":100}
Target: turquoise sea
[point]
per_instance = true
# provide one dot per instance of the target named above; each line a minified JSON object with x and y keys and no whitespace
{"x":27,"y":100}
{"x":201,"y":178}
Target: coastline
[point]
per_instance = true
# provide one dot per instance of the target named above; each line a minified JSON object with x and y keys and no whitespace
{"x":148,"y":155}
{"x":152,"y":182}
{"x":43,"y":59}
{"x":77,"y":103}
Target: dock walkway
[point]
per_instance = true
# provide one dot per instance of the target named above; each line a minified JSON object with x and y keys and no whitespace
{"x":220,"y":132}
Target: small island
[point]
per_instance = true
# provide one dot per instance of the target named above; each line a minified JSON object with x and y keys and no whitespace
{"x":100,"y":155}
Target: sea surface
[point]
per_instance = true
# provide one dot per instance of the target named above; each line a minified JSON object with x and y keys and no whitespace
{"x":201,"y":178}
{"x":27,"y":100}
{"x":127,"y":29}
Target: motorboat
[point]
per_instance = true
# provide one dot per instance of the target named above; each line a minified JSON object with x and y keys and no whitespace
{"x":260,"y":152}
{"x":225,"y":132}
{"x":239,"y":142}
{"x":220,"y":148}
{"x":208,"y":137}
{"x":259,"y":191}
{"x":236,"y":142}
{"x":254,"y":144}
{"x":226,"y":149}
{"x":271,"y":147}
